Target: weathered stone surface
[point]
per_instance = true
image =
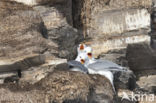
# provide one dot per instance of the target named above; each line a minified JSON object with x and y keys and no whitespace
{"x":113,"y":23}
{"x":36,"y":2}
{"x":154,"y":3}
{"x":21,"y":32}
{"x":141,"y":57}
{"x":153,"y":26}
{"x":58,"y":21}
{"x":125,"y":80}
{"x":101,"y":5}
{"x":81,"y":83}
{"x":60,"y":87}
{"x":9,"y":74}
{"x":57,"y":15}
{"x":117,"y":56}
{"x":22,"y":63}
{"x":36,"y":73}
{"x":153,"y":43}
{"x":109,"y":12}
{"x":23,"y":41}
{"x":67,"y":39}
{"x":4,"y":77}
{"x":148,"y":83}
{"x":103,"y":46}
{"x":34,"y":96}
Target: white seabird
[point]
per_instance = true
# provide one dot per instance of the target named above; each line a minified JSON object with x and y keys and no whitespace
{"x":105,"y":72}
{"x":99,"y":64}
{"x":77,"y":64}
{"x":81,"y":48}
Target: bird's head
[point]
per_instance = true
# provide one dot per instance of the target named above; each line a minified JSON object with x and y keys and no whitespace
{"x":81,"y":58}
{"x":88,"y":51}
{"x":81,"y":47}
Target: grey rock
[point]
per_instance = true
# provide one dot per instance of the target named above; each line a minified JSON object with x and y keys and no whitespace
{"x":35,"y":73}
{"x":22,"y":38}
{"x":68,"y":38}
{"x":98,"y":17}
{"x":141,"y":57}
{"x":125,"y":80}
{"x":100,"y":94}
{"x":9,"y":77}
{"x":115,"y":23}
{"x":58,"y":22}
{"x":153,"y":43}
{"x":104,"y":45}
{"x":147,"y":83}
{"x":60,"y":87}
{"x":22,"y":64}
{"x":154,"y":3}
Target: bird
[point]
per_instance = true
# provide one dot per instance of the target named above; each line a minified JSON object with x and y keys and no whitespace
{"x":77,"y":64}
{"x":81,"y":48}
{"x":100,"y":64}
{"x":82,"y":58}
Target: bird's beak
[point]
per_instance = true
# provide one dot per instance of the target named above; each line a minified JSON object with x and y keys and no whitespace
{"x":82,"y":61}
{"x":81,"y":47}
{"x":89,"y":55}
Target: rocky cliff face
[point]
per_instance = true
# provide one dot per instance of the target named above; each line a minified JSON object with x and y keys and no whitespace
{"x":23,"y":40}
{"x":37,"y":37}
{"x":110,"y":19}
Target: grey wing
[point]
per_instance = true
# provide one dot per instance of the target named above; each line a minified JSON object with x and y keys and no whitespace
{"x":77,"y":65}
{"x":110,"y":64}
{"x":105,"y":65}
{"x":73,"y":63}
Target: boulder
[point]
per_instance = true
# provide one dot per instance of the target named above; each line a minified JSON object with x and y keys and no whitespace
{"x":36,"y":73}
{"x":23,"y":41}
{"x":125,"y":80}
{"x":141,"y":57}
{"x":58,"y":22}
{"x":55,"y":16}
{"x":9,"y":77}
{"x":154,"y":3}
{"x":153,"y":26}
{"x":60,"y":87}
{"x":149,"y":85}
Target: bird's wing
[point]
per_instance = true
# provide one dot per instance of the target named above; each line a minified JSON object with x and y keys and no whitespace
{"x":101,"y":65}
{"x":73,"y":63}
{"x":110,"y":63}
{"x":77,"y":65}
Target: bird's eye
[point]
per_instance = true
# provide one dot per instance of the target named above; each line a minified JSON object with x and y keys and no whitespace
{"x":89,"y":54}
